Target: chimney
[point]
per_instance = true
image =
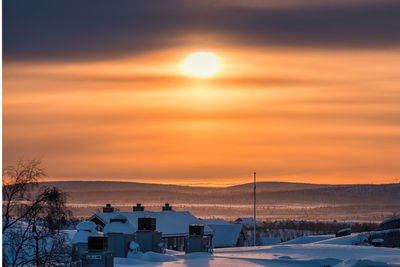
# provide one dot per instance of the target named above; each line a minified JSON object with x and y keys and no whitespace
{"x":196,"y":229}
{"x":147,"y":224}
{"x":108,"y":208}
{"x":167,"y":207}
{"x":138,"y":207}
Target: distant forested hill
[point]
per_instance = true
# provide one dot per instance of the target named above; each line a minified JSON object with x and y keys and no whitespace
{"x":267,"y":192}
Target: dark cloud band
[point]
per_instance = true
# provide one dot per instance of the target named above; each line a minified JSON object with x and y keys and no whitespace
{"x":80,"y":30}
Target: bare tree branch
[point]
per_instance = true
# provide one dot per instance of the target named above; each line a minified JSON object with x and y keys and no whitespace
{"x":24,"y":205}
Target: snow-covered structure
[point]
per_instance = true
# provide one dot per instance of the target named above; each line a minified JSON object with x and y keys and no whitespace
{"x":174,"y":225}
{"x":119,"y":224}
{"x":80,"y":239}
{"x":226,"y":234}
{"x":120,"y":233}
{"x":377,"y":242}
{"x":197,"y":241}
{"x":391,"y":223}
{"x":84,"y":230}
{"x":97,"y":254}
{"x":147,"y":237}
{"x":343,"y":232}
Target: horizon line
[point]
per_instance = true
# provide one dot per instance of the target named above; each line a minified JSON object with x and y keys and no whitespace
{"x":204,"y":184}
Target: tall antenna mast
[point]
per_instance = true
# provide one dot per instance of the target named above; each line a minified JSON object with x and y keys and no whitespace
{"x":254,"y":241}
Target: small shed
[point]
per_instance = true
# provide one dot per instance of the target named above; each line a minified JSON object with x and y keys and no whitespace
{"x":226,"y":234}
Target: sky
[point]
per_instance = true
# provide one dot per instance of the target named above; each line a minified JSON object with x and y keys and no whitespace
{"x":308,"y":91}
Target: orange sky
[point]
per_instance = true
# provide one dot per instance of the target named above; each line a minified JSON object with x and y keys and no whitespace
{"x":303,"y":112}
{"x":292,"y":115}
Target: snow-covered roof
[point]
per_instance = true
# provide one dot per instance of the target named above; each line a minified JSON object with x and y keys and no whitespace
{"x":225,"y":234}
{"x":86,"y":225}
{"x":85,"y":229}
{"x":169,"y":223}
{"x":122,"y":226}
{"x":214,"y":221}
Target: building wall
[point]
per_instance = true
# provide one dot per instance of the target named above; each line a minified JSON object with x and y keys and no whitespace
{"x":175,"y":243}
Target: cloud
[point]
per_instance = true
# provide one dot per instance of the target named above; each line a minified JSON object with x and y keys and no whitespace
{"x":81,"y":30}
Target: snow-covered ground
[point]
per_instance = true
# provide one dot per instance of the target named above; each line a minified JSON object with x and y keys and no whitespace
{"x":310,"y":251}
{"x":309,"y":239}
{"x":280,"y":255}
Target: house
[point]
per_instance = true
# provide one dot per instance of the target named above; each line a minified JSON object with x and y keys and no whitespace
{"x":174,"y":225}
{"x":226,"y":234}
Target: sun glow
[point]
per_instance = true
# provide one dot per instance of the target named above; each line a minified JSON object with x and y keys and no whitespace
{"x":201,"y":64}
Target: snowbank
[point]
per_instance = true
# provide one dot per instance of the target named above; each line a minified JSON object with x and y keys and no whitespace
{"x":269,"y":241}
{"x":309,"y":239}
{"x":353,"y":239}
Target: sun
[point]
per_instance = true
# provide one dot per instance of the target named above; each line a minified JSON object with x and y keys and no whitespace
{"x":201,"y":64}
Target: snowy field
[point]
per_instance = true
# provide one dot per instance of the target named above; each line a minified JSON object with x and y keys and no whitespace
{"x":307,"y":251}
{"x":307,"y":255}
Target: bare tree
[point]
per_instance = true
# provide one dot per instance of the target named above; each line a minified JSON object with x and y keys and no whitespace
{"x":16,"y":182}
{"x":31,"y":217}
